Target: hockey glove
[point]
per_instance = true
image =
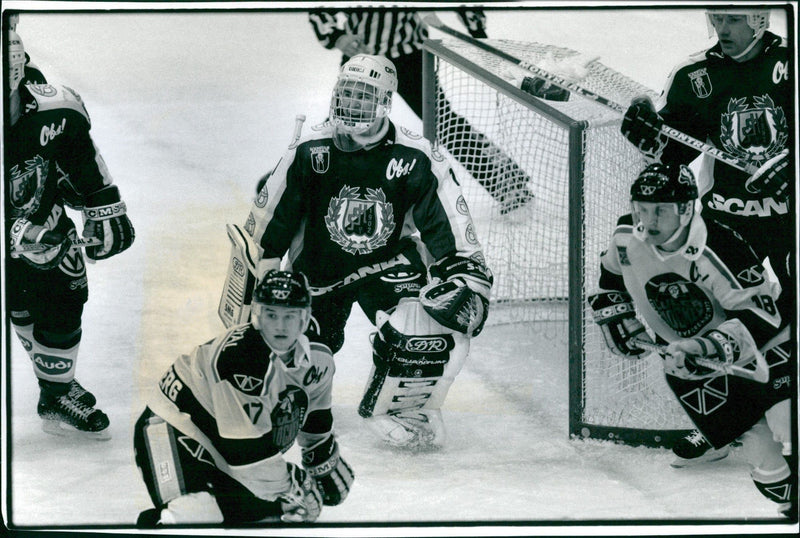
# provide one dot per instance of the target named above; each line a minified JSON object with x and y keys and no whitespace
{"x":25,"y":232}
{"x":682,"y":355}
{"x":105,"y":219}
{"x":772,"y":179}
{"x":458,"y":294}
{"x":539,"y":87}
{"x":332,"y":474}
{"x":302,"y":502}
{"x":613,"y":311}
{"x":349,"y":44}
{"x":642,"y":127}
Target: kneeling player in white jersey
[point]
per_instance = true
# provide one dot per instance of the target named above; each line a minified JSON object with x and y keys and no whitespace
{"x":210,"y":444}
{"x":368,"y":211}
{"x":699,"y":286}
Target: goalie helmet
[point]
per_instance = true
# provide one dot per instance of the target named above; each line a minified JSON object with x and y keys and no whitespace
{"x":16,"y":59}
{"x":363,"y":93}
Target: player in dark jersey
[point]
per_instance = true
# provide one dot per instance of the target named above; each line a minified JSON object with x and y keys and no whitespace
{"x":52,"y":162}
{"x":701,"y":289}
{"x":365,"y":208}
{"x":398,"y":34}
{"x":210,"y":444}
{"x":738,"y":96}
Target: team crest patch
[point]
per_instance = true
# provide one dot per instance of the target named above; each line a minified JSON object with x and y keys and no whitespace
{"x":320,"y":158}
{"x":680,"y":303}
{"x":701,"y":83}
{"x":360,"y":224}
{"x":26,"y":186}
{"x":45,"y":90}
{"x":754,"y":132}
{"x":410,"y":134}
{"x":287,"y":416}
{"x":461,"y":205}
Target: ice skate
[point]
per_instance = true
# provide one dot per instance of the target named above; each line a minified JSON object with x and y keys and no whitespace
{"x":61,"y":415}
{"x":80,"y":394}
{"x":694,"y":449}
{"x":421,"y":428}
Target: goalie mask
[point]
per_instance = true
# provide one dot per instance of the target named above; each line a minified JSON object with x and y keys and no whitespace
{"x":281,"y":308}
{"x":663,"y":200}
{"x":16,"y":59}
{"x":362,"y":96}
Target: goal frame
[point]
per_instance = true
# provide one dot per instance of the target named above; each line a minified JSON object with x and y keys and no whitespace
{"x":578,"y":427}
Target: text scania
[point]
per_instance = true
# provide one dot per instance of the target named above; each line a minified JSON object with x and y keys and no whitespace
{"x":49,"y":133}
{"x":767,"y":207}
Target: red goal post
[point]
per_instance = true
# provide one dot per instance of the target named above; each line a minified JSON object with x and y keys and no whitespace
{"x":544,"y":250}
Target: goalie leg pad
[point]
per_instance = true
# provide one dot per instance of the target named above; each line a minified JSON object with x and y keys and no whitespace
{"x":237,"y":293}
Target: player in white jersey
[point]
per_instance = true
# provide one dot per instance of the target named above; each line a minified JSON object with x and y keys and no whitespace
{"x":701,"y":289}
{"x":210,"y":443}
{"x":368,"y":210}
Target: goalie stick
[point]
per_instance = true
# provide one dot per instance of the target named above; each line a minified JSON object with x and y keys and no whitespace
{"x":759,"y":375}
{"x":31,"y":248}
{"x":433,"y":21}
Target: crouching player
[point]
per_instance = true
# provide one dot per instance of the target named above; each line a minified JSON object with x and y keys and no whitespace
{"x":210,"y":443}
{"x":702,"y":290}
{"x":374,"y":215}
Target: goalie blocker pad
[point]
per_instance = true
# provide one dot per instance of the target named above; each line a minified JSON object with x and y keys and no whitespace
{"x":415,"y":360}
{"x":237,"y":292}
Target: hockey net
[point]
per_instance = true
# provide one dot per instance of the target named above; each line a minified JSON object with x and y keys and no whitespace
{"x":544,"y":250}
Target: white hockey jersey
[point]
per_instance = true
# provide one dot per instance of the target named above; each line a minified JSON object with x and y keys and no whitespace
{"x":246,"y":405}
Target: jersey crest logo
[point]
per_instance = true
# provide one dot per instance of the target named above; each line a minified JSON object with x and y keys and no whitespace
{"x":701,"y":83}
{"x":72,"y":264}
{"x":320,"y":158}
{"x":287,"y":416}
{"x":757,"y":132}
{"x":680,"y":303}
{"x":360,"y":224}
{"x":26,"y":186}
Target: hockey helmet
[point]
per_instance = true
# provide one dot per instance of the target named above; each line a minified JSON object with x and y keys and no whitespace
{"x":664,"y":183}
{"x":16,"y":59}
{"x":283,"y":288}
{"x":363,"y":93}
{"x":757,"y":19}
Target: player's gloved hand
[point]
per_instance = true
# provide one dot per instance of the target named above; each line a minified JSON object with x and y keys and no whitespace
{"x":642,"y":127}
{"x":614,"y":313}
{"x":302,"y":502}
{"x":457,"y":295}
{"x":541,"y":88}
{"x":683,"y":355}
{"x":105,"y":218}
{"x":332,"y":474}
{"x":24,"y":232}
{"x":772,"y":179}
{"x":349,"y":44}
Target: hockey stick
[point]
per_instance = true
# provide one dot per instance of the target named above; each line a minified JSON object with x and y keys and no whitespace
{"x":759,"y":375}
{"x":741,"y":164}
{"x":32,"y":248}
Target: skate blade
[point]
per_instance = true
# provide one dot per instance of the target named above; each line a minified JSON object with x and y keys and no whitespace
{"x":708,"y":457}
{"x":56,"y":427}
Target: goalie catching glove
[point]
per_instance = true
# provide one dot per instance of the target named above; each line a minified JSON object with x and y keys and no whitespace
{"x":105,"y":218}
{"x":613,"y":311}
{"x":457,"y":295}
{"x":24,"y":231}
{"x":772,"y":179}
{"x":302,"y":503}
{"x":332,"y":474}
{"x":642,"y":127}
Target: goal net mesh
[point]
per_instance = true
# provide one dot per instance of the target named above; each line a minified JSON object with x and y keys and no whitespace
{"x":514,"y":156}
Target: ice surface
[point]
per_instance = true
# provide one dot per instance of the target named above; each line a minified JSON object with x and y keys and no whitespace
{"x":189,"y":110}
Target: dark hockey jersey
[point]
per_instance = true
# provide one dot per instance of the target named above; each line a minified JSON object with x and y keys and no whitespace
{"x":246,"y":406}
{"x":337,"y":212}
{"x":52,"y":159}
{"x":745,"y":109}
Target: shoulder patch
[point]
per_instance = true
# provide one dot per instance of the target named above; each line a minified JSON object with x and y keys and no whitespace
{"x":49,"y":97}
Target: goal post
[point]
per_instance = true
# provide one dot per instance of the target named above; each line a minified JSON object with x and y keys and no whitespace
{"x":545,"y":182}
